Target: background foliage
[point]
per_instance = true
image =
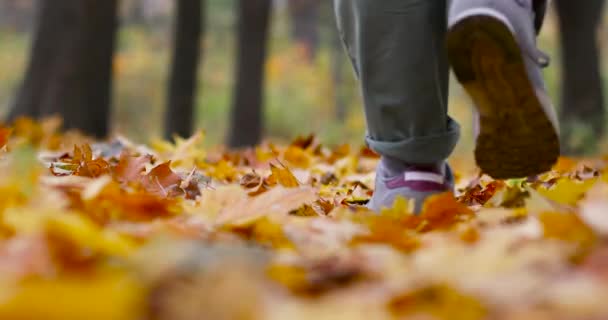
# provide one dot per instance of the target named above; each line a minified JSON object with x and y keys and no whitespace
{"x":300,"y":94}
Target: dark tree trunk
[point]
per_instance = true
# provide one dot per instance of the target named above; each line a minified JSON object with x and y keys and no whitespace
{"x":253,"y":30}
{"x":582,"y":101}
{"x":305,"y":24}
{"x":70,"y":68}
{"x":188,"y":30}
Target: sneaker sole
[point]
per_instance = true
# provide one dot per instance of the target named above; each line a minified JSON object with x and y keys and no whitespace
{"x":516,"y":138}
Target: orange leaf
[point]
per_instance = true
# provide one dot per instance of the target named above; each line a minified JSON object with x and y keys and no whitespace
{"x":86,"y":166}
{"x":283,"y":176}
{"x":94,"y":168}
{"x":113,"y":202}
{"x":298,"y":157}
{"x":303,"y":142}
{"x":130,"y":169}
{"x":442,"y":211}
{"x":161,"y":180}
{"x":4,"y":135}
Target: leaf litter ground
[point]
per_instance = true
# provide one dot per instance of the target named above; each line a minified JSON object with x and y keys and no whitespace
{"x":115,"y":230}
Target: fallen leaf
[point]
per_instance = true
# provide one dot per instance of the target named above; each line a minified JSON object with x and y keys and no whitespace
{"x":440,"y":302}
{"x":567,"y":191}
{"x":4,"y":135}
{"x":130,"y":169}
{"x":283,"y":176}
{"x":162,"y":180}
{"x":116,"y":296}
{"x":276,"y":202}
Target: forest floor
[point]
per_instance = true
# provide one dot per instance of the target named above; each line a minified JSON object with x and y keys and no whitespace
{"x":114,"y":230}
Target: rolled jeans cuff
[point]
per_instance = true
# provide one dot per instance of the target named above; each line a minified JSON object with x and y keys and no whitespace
{"x":420,"y":150}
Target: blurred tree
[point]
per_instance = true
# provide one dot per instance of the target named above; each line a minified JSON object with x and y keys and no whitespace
{"x":134,"y":11}
{"x":582,"y":101}
{"x":70,"y":68}
{"x":305,"y":24}
{"x":17,"y":14}
{"x":188,"y":31}
{"x":253,"y":31}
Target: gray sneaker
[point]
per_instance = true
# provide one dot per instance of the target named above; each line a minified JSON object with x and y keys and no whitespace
{"x":416,"y":182}
{"x":492,"y":49}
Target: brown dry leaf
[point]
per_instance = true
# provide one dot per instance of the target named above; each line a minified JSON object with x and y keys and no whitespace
{"x":251,"y":180}
{"x":130,"y":169}
{"x":303,"y":142}
{"x":479,"y":194}
{"x":255,"y":184}
{"x":162,"y":180}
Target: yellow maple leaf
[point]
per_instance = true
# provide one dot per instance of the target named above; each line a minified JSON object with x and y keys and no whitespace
{"x":401,"y":207}
{"x":283,"y":176}
{"x":184,"y":153}
{"x":567,"y":191}
{"x":298,"y":157}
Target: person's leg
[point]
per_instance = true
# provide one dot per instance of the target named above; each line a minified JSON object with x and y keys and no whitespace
{"x":398,"y":51}
{"x":492,"y":49}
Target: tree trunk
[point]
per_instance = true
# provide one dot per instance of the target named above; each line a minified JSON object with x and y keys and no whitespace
{"x":305,"y":24}
{"x":70,"y":68}
{"x":253,"y":31}
{"x":582,"y":101}
{"x":188,"y":30}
